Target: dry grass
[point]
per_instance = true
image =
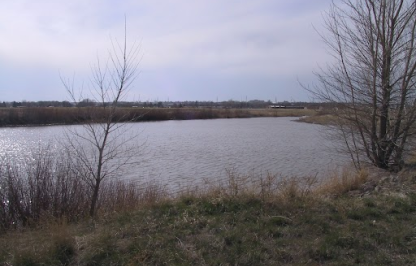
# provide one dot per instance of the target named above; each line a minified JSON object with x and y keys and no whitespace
{"x":53,"y":243}
{"x":271,"y":221}
{"x":277,"y":187}
{"x":340,"y":182}
{"x":245,"y":220}
{"x":47,"y":188}
{"x":263,"y":186}
{"x":62,"y":115}
{"x":320,"y":119}
{"x":283,"y":112}
{"x":122,"y":196}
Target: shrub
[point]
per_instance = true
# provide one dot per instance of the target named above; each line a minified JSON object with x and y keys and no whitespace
{"x":46,"y":187}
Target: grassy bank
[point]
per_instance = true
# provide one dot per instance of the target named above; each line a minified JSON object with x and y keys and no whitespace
{"x":65,"y":115}
{"x":271,"y":222}
{"x":320,"y":119}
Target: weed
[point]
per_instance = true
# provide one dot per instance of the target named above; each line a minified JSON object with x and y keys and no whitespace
{"x":63,"y":245}
{"x":342,"y":182}
{"x":280,"y":221}
{"x":102,"y":250}
{"x":63,"y":251}
{"x":26,"y":258}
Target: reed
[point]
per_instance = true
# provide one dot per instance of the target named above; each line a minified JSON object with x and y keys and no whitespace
{"x":339,"y":183}
{"x":320,"y":119}
{"x":77,"y":115}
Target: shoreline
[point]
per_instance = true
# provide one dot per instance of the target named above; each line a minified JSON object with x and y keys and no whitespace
{"x":60,"y":116}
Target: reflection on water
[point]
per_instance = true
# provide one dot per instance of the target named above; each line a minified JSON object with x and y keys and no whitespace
{"x":179,"y":153}
{"x":21,"y":143}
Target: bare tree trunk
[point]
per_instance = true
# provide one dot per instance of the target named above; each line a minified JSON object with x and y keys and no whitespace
{"x":94,"y":197}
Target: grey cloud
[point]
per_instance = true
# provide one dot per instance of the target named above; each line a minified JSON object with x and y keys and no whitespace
{"x":228,"y":39}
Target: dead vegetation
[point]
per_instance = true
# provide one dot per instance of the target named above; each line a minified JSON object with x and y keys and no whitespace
{"x":66,"y":115}
{"x":320,"y":119}
{"x":245,"y":220}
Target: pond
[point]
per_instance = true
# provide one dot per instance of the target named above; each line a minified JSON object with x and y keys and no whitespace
{"x":182,"y":153}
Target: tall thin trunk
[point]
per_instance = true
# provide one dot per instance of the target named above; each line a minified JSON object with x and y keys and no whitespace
{"x":94,"y":198}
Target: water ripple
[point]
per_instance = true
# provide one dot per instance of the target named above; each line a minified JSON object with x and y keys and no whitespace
{"x":179,"y":153}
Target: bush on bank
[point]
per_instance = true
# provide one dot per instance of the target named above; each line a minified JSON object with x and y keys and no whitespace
{"x":47,"y":187}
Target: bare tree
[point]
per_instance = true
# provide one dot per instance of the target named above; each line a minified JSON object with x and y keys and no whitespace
{"x":102,"y":149}
{"x":373,"y":79}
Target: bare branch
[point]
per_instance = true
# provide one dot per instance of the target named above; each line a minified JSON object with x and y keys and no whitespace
{"x":373,"y":78}
{"x":100,"y":147}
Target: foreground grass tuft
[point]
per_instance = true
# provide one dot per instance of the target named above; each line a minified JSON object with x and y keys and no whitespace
{"x":340,"y":182}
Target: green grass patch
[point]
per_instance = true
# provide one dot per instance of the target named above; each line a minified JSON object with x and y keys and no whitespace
{"x":241,"y":230}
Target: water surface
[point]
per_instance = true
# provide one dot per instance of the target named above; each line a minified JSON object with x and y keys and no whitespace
{"x":181,"y":153}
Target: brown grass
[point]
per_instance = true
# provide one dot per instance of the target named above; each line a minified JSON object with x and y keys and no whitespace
{"x":47,"y":188}
{"x":320,"y":119}
{"x":123,"y":196}
{"x":245,"y":220}
{"x":53,"y":243}
{"x":66,"y":115}
{"x":267,"y":187}
{"x":340,"y":182}
{"x":274,"y":186}
{"x":283,"y":112}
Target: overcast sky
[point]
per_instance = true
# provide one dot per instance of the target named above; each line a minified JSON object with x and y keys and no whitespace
{"x":191,"y":50}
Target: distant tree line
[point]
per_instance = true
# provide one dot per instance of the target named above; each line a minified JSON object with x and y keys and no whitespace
{"x":36,"y":104}
{"x":167,"y":104}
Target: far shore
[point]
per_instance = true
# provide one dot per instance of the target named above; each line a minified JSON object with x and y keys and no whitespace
{"x":47,"y":116}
